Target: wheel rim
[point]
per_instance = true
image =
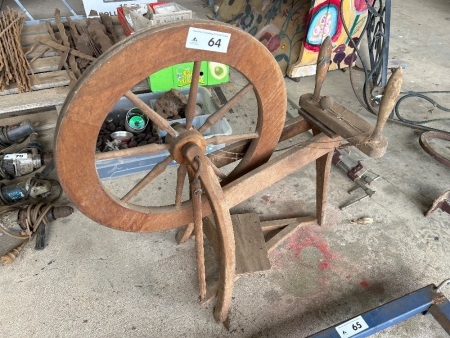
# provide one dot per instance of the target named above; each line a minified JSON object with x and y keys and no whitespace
{"x":113,"y":74}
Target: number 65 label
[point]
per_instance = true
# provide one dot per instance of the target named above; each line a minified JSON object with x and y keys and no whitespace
{"x":352,"y":327}
{"x":205,"y":39}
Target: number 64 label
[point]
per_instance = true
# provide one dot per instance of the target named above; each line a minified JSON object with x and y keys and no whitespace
{"x":205,"y":39}
{"x":352,"y":327}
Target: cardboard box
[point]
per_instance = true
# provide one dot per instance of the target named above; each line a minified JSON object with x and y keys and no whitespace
{"x":167,"y":12}
{"x":110,"y":6}
{"x":179,"y":76}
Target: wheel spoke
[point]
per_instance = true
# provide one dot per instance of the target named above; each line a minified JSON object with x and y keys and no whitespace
{"x":217,"y":171}
{"x":152,"y":115}
{"x":181,"y":176}
{"x":192,"y":99}
{"x":214,"y":118}
{"x":157,"y":170}
{"x":231,"y":138}
{"x":136,"y":151}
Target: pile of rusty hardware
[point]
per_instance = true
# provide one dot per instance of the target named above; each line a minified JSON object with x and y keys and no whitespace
{"x":129,"y":129}
{"x":79,"y":45}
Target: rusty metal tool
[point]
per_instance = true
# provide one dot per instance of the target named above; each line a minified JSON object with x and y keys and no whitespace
{"x":442,"y":202}
{"x":356,"y":172}
{"x":20,"y":223}
{"x":425,"y":142}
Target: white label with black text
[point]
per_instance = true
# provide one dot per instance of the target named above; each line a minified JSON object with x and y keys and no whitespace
{"x":352,"y":327}
{"x":15,"y":155}
{"x":205,"y":39}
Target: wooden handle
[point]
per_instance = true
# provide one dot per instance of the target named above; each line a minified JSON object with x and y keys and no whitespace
{"x":391,"y":92}
{"x":323,"y":62}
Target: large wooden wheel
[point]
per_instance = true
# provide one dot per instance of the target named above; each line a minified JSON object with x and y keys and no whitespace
{"x":114,"y":74}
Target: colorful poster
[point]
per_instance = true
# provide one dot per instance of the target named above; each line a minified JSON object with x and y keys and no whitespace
{"x":294,"y":30}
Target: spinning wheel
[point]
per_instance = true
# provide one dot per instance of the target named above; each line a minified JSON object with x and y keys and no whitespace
{"x":120,"y":69}
{"x":110,"y":78}
{"x":212,"y":192}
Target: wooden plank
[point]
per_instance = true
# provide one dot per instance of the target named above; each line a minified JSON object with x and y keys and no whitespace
{"x":29,"y":40}
{"x":315,"y":122}
{"x":45,"y":64}
{"x":278,"y":168}
{"x":251,"y":252}
{"x":294,"y":127}
{"x":42,"y":81}
{"x":42,"y":120}
{"x":34,"y":29}
{"x":277,"y":223}
{"x":235,"y":151}
{"x":32,"y":100}
{"x":275,"y":241}
{"x":31,"y":52}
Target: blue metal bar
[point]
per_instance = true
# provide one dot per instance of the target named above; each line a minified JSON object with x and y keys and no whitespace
{"x":441,"y":312}
{"x":389,"y":314}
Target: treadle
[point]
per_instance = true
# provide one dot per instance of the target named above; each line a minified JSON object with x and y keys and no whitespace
{"x":426,"y":300}
{"x":252,"y":249}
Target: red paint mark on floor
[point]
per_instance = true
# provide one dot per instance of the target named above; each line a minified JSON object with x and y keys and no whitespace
{"x":307,"y":237}
{"x":265,"y":198}
{"x":324,"y":280}
{"x":324,"y":265}
{"x":364,"y":284}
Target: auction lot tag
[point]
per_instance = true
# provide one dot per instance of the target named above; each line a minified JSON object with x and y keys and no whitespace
{"x":352,"y":327}
{"x":205,"y":39}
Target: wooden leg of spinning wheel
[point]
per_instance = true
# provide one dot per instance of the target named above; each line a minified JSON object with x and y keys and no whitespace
{"x":224,"y":225}
{"x":196,"y":192}
{"x":323,"y":169}
{"x":184,"y":233}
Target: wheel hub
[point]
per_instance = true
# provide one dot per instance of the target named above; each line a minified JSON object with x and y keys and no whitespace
{"x":184,"y":137}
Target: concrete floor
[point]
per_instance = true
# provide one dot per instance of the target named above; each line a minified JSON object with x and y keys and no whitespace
{"x":93,"y":281}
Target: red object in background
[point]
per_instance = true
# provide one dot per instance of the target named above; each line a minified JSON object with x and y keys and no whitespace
{"x":127,"y":29}
{"x":156,"y":4}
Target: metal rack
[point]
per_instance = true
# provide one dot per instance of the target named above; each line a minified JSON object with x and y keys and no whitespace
{"x":32,"y":20}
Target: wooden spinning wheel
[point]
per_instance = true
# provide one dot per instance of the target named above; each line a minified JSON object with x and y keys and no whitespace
{"x":212,"y":192}
{"x":112,"y":76}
